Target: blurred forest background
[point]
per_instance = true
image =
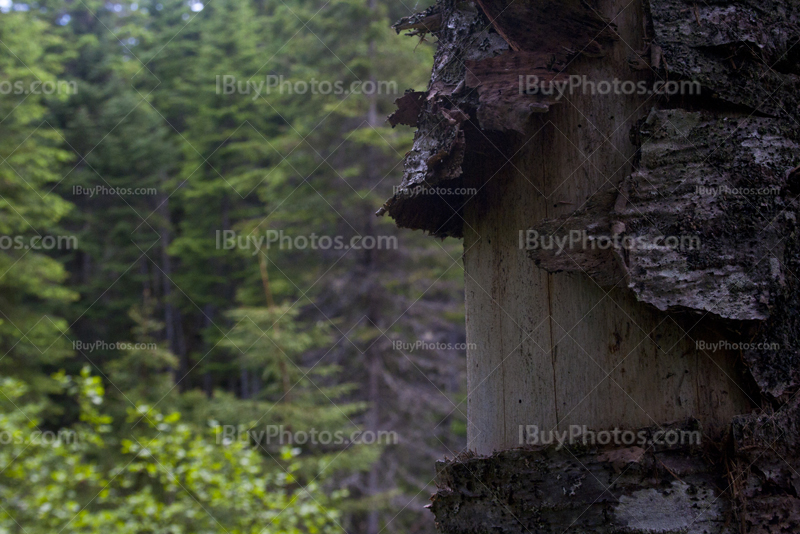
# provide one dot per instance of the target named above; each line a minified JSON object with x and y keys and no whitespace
{"x":122,"y":357}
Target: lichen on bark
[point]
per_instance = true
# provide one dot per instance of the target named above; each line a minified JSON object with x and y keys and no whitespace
{"x":582,"y":488}
{"x":702,"y":224}
{"x":742,"y":52}
{"x":436,"y":161}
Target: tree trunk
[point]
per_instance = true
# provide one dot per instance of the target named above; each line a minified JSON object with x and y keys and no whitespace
{"x":599,"y":268}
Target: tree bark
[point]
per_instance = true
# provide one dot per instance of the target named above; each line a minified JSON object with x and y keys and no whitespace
{"x":607,"y":338}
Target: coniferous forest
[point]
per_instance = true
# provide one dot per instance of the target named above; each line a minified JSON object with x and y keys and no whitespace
{"x":203,"y":326}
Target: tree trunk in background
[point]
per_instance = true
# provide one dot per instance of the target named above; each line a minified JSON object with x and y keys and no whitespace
{"x":166,"y":284}
{"x":587,"y":336}
{"x":373,"y":359}
{"x":173,"y":322}
{"x":208,"y":379}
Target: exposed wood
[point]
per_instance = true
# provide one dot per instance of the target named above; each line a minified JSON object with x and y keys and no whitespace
{"x":555,"y":350}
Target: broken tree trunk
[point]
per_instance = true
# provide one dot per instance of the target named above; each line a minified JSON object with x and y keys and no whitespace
{"x":625,"y":178}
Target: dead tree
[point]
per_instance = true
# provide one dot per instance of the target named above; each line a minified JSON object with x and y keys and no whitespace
{"x":631,"y":259}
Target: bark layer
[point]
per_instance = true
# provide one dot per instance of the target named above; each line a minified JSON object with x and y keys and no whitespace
{"x":679,"y":232}
{"x":437,"y":159}
{"x":572,"y":490}
{"x":750,"y":486}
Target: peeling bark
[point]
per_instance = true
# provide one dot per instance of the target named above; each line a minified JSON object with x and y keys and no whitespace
{"x":679,"y":241}
{"x":657,"y":489}
{"x":409,"y":107}
{"x":734,"y":260}
{"x":742,"y":51}
{"x":470,"y":83}
{"x":583,"y":489}
{"x":436,"y":161}
{"x":503,"y":104}
{"x":428,"y":21}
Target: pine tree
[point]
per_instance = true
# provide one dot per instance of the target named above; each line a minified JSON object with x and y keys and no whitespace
{"x":31,"y":155}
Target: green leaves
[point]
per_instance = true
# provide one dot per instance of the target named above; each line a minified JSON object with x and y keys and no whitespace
{"x":161,"y":475}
